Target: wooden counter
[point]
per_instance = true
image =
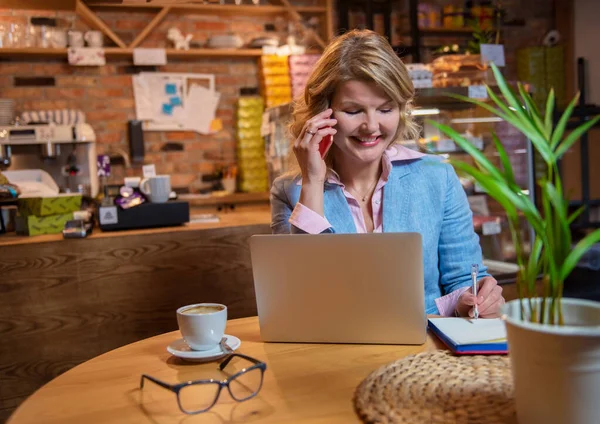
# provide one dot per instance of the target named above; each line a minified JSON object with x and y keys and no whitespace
{"x":248,"y":215}
{"x":66,"y":301}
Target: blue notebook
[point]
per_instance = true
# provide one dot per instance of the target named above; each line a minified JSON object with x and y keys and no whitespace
{"x":471,"y":336}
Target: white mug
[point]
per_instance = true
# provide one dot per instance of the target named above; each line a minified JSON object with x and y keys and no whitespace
{"x":58,"y":38}
{"x":94,"y":38}
{"x":158,"y":188}
{"x":75,"y":39}
{"x":202,"y":325}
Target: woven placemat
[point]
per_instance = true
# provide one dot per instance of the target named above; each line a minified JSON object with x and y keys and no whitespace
{"x":438,"y":387}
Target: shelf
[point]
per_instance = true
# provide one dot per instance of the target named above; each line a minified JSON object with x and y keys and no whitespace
{"x":127,"y":52}
{"x":224,"y":9}
{"x":446,"y":31}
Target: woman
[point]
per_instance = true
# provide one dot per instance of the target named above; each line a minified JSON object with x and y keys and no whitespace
{"x":360,"y":95}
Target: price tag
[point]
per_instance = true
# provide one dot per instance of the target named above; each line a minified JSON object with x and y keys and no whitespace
{"x":143,"y":56}
{"x":491,"y":228}
{"x":149,"y":171}
{"x":492,"y":53}
{"x":478,"y":92}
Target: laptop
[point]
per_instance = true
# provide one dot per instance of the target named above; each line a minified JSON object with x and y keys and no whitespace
{"x":340,"y":288}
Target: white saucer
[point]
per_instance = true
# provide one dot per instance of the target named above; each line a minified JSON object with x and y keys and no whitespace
{"x":181,"y":349}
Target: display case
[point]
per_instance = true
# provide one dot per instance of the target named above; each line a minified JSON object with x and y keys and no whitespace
{"x":477,"y":125}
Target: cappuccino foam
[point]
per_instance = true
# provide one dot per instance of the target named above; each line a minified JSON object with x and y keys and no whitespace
{"x":202,"y":309}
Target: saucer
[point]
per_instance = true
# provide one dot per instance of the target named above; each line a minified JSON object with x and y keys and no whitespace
{"x":181,"y":349}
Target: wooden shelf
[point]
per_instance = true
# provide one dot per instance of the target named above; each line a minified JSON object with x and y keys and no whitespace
{"x":442,"y":31}
{"x":127,"y":52}
{"x":224,"y":9}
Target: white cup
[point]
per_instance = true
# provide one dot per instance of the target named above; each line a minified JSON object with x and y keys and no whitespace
{"x":94,"y":38}
{"x":75,"y":39}
{"x":202,"y":325}
{"x":158,"y":188}
{"x":58,"y":38}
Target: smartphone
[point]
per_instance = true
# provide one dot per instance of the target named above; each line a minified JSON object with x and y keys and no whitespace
{"x":326,"y":142}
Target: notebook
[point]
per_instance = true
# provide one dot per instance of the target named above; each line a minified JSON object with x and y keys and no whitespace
{"x":471,"y":336}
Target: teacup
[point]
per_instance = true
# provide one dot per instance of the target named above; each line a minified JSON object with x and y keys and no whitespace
{"x":202,"y":325}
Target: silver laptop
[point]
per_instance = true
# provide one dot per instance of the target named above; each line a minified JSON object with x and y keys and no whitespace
{"x":340,"y":288}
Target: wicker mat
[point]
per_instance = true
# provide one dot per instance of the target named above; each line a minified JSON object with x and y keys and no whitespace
{"x":438,"y":388}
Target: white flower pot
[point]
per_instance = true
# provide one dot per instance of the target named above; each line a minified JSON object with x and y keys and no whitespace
{"x":556,"y":369}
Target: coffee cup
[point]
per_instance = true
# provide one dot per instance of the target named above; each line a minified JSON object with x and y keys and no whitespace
{"x":202,"y":325}
{"x":94,"y":38}
{"x":75,"y":38}
{"x":158,"y":188}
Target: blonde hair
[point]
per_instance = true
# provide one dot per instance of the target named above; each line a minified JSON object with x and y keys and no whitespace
{"x":357,"y":55}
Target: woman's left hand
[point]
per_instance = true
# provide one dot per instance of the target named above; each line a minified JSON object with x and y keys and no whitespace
{"x":489,"y":300}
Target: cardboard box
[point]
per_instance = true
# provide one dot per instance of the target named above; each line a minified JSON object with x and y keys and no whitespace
{"x":38,"y":225}
{"x":47,"y":206}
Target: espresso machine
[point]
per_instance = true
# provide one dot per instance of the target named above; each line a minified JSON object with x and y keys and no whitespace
{"x":66,"y":152}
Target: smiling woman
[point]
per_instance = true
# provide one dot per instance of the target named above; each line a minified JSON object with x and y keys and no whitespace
{"x":360,"y":95}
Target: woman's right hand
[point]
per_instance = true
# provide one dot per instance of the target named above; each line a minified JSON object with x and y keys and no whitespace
{"x":306,"y":146}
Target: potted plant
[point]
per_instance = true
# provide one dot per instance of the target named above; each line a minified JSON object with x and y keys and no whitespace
{"x":554,"y":342}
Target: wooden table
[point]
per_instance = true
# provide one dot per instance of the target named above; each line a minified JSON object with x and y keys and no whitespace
{"x":309,"y":383}
{"x":125,"y":285}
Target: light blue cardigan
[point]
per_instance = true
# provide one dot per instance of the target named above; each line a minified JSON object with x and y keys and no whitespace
{"x":421,"y":195}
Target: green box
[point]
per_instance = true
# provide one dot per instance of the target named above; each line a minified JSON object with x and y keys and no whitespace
{"x":38,"y":225}
{"x":46,"y":206}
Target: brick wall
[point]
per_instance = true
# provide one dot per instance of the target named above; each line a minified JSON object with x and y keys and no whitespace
{"x":105,"y":93}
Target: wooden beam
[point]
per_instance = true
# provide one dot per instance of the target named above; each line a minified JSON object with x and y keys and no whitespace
{"x":39,"y":4}
{"x":90,"y":17}
{"x":295,"y":16}
{"x":153,"y":23}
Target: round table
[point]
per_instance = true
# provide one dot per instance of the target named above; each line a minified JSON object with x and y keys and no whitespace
{"x":303,"y":383}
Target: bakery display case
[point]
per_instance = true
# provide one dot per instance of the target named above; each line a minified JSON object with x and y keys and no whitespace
{"x":477,"y":125}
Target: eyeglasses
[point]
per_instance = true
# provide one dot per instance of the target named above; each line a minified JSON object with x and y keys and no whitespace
{"x":195,"y":397}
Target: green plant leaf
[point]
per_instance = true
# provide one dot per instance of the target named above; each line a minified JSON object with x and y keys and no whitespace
{"x":533,"y":111}
{"x":501,"y":194}
{"x":558,"y":221}
{"x":559,"y":130}
{"x":506,"y":91}
{"x":508,"y":171}
{"x":575,"y":215}
{"x":578,"y":251}
{"x":575,"y":135}
{"x":520,"y":121}
{"x":468,"y":147}
{"x":549,"y":116}
{"x":481,"y":104}
{"x":534,"y":261}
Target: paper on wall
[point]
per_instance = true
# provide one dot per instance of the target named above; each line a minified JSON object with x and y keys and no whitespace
{"x":201,"y":105}
{"x":176,"y":101}
{"x":143,"y":101}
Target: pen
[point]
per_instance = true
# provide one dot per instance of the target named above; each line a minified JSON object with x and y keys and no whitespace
{"x":474,"y":272}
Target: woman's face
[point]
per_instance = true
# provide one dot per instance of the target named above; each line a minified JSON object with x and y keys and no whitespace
{"x":367,"y":121}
